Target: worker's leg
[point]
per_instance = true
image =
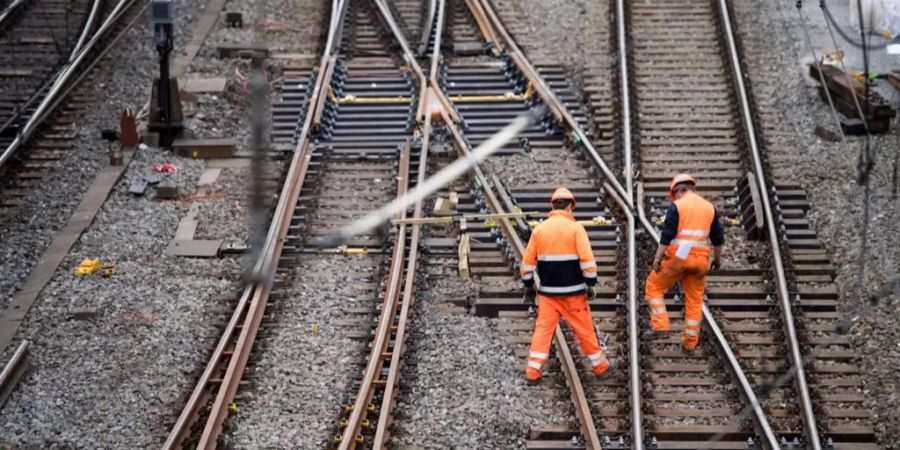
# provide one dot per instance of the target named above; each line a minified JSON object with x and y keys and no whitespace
{"x":544,"y":326}
{"x":694,"y":285}
{"x":655,"y":290}
{"x":577,"y":314}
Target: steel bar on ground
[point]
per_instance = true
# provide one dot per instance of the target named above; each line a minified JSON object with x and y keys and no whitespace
{"x":807,"y":413}
{"x":13,"y":371}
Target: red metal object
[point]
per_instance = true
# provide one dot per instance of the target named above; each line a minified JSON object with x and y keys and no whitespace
{"x":165,"y":167}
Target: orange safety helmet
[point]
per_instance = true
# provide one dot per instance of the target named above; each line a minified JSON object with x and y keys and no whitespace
{"x":563,"y":194}
{"x":680,"y":178}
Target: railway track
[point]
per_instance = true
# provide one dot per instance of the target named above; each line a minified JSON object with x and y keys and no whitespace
{"x":696,"y":118}
{"x":744,"y":388}
{"x":35,"y":41}
{"x":43,"y":96}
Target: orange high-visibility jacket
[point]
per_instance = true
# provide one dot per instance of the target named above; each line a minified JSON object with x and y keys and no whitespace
{"x":560,"y":251}
{"x":695,"y":219}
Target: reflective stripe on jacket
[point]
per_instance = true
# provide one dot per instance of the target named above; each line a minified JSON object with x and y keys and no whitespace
{"x":695,"y":219}
{"x":560,"y":251}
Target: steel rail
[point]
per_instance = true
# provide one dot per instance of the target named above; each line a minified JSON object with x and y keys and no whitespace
{"x":506,"y":41}
{"x":760,"y":420}
{"x":394,"y":316}
{"x":386,"y":320}
{"x":427,"y":27}
{"x":412,"y":260}
{"x":410,"y":59}
{"x":13,"y":370}
{"x":634,"y":362}
{"x":86,"y":29}
{"x":248,"y":311}
{"x":7,"y":12}
{"x":807,"y":414}
{"x":57,"y":89}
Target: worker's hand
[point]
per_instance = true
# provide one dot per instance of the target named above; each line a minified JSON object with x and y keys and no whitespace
{"x":591,"y":294}
{"x":530,"y":295}
{"x":716,"y":263}
{"x":657,"y":263}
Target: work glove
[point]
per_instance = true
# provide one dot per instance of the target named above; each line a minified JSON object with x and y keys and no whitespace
{"x":656,"y":264}
{"x":591,"y":294}
{"x":716,"y":264}
{"x":530,"y":295}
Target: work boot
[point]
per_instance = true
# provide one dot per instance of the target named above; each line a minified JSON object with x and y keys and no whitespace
{"x":604,"y":373}
{"x":532,"y":376}
{"x":655,"y":334}
{"x":689,"y":343}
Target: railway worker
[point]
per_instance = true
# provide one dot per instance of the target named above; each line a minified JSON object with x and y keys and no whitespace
{"x":560,"y":251}
{"x":683,"y":254}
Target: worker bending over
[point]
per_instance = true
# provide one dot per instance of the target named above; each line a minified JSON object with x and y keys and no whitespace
{"x":691,"y":225}
{"x":560,"y":251}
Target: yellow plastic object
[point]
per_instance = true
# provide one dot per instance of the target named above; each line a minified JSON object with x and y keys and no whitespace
{"x":87,"y":267}
{"x":232,"y":407}
{"x":734,"y":222}
{"x":490,"y":223}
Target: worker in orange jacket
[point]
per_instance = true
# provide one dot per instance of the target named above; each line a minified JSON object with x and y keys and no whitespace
{"x":560,"y":252}
{"x":691,"y":227}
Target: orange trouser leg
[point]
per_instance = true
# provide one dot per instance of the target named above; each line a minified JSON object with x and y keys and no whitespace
{"x":694,"y":283}
{"x":577,"y":314}
{"x":544,"y":327}
{"x":655,"y":290}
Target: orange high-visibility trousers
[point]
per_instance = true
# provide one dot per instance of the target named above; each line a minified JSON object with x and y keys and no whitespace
{"x":692,"y":273}
{"x":577,"y":313}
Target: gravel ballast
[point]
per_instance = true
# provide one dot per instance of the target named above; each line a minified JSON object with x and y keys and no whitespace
{"x":463,"y":383}
{"x":303,"y":362}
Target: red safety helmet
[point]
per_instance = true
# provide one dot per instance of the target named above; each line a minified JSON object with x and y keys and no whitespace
{"x":563,"y":194}
{"x":679,"y":179}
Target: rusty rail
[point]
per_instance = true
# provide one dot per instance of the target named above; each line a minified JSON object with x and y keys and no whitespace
{"x":251,"y":306}
{"x":394,"y":316}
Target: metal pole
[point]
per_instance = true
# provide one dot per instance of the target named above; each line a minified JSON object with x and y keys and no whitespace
{"x":807,"y":414}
